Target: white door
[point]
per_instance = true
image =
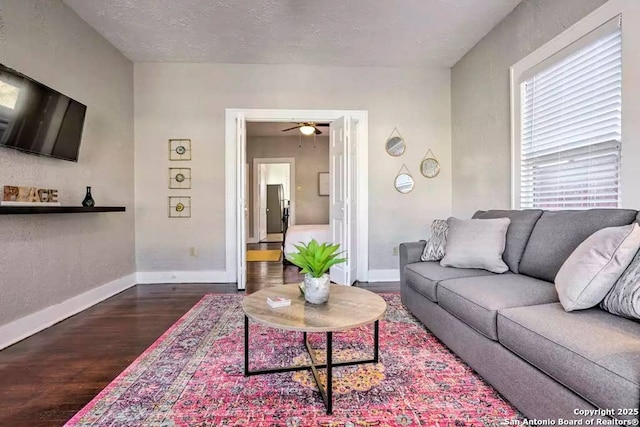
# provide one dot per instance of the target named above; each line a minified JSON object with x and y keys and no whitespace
{"x":262,"y":202}
{"x":342,"y":215}
{"x":247,"y":191}
{"x":241,"y":143}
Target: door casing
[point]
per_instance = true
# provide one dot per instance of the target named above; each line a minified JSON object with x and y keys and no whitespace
{"x":232,"y":163}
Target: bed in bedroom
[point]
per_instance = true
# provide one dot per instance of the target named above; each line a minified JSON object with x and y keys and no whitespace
{"x":297,"y":234}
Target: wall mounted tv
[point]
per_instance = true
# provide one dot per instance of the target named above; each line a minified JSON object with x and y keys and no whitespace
{"x":37,"y":119}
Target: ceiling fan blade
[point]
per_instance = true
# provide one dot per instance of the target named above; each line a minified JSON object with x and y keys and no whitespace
{"x":323,"y":124}
{"x":295,"y":127}
{"x":318,"y":131}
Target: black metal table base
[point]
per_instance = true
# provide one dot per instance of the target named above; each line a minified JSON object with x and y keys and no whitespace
{"x":326,"y":393}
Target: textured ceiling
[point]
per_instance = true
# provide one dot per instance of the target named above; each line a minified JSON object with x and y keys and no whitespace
{"x":413,"y":33}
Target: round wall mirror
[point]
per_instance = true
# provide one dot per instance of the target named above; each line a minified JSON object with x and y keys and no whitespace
{"x":430,"y":167}
{"x":395,"y":146}
{"x":404,"y":183}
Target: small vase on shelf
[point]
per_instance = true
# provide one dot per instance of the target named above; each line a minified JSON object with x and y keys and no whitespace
{"x":88,"y":201}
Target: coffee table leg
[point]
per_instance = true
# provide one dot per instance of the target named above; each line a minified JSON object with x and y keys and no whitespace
{"x":246,"y":346}
{"x":376,"y":340}
{"x":329,"y":373}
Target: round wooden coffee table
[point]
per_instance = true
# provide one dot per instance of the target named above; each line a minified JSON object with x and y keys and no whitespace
{"x":347,"y":308}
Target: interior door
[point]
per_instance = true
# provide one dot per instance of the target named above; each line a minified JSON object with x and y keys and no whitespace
{"x":342,"y":215}
{"x":274,"y":208}
{"x":262,"y":202}
{"x":247,"y":192}
{"x":241,"y":255}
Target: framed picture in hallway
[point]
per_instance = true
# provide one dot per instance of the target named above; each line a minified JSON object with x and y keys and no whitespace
{"x":323,"y":184}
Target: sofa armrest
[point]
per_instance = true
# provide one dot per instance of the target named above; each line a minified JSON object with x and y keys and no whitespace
{"x":410,"y":252}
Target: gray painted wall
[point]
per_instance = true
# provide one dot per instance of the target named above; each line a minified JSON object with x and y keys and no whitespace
{"x":169,"y":101}
{"x":310,"y":160}
{"x":46,"y":259}
{"x":481,"y":152}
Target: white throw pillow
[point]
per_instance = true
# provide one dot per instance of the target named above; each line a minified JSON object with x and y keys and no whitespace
{"x":595,"y":265}
{"x":476,"y":243}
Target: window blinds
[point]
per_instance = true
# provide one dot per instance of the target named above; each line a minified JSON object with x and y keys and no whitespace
{"x":571,"y":127}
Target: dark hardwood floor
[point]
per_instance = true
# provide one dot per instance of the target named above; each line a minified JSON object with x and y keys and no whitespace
{"x":48,"y":377}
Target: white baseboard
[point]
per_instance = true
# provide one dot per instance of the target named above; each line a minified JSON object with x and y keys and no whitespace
{"x":392,"y":275}
{"x":33,"y":323}
{"x":205,"y":276}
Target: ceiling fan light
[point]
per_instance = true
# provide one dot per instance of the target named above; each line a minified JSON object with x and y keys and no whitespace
{"x":307,"y":130}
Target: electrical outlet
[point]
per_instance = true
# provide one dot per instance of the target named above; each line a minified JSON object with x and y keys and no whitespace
{"x":193,"y":251}
{"x":394,"y":251}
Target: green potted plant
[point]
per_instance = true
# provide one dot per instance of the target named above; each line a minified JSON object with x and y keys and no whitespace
{"x":315,"y":260}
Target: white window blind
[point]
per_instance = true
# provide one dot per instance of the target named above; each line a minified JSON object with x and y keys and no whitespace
{"x":571,"y":124}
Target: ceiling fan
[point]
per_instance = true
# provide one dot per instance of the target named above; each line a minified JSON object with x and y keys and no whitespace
{"x":308,"y":128}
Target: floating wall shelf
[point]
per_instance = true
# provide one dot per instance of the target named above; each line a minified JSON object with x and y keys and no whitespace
{"x":27,"y":210}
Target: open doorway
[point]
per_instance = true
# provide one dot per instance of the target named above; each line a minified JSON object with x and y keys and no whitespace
{"x":278,"y":178}
{"x":283,"y":196}
{"x":271,"y":196}
{"x":348,"y":182}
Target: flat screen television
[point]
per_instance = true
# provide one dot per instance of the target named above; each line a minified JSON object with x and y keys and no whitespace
{"x":37,"y":119}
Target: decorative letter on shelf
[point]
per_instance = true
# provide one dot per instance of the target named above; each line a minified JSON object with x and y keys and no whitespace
{"x":29,"y":196}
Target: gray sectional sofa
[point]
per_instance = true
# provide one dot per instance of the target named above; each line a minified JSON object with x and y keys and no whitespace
{"x":511,"y":329}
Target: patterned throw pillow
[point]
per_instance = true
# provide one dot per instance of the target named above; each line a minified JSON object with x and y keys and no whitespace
{"x":624,"y":298}
{"x":434,"y":250}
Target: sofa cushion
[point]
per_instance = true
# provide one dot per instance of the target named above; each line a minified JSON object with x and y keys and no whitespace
{"x":476,"y":300}
{"x":558,"y":233}
{"x":423,"y":277}
{"x":592,"y":352}
{"x":522,"y":223}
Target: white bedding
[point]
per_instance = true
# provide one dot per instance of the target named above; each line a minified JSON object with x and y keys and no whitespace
{"x":297,"y":234}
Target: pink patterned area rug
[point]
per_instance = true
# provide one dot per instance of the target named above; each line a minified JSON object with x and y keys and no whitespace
{"x":193,"y":376}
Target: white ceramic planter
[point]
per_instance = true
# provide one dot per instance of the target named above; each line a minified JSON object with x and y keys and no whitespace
{"x":316,"y":290}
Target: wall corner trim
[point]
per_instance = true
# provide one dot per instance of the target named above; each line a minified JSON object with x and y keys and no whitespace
{"x":390,"y":275}
{"x":31,"y":324}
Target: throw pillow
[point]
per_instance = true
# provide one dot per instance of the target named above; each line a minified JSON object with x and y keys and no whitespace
{"x":624,"y":298}
{"x":476,"y":243}
{"x":434,"y":250}
{"x":594,"y":266}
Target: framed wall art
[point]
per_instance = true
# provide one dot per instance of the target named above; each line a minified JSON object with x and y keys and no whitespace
{"x":179,"y":149}
{"x":180,"y":178}
{"x":179,"y":207}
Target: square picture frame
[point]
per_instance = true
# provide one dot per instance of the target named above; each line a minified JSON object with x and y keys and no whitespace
{"x":323,"y":183}
{"x":179,"y":149}
{"x":179,"y":207}
{"x":180,"y":178}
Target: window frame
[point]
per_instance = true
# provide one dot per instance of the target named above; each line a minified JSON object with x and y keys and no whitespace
{"x":516,"y":72}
